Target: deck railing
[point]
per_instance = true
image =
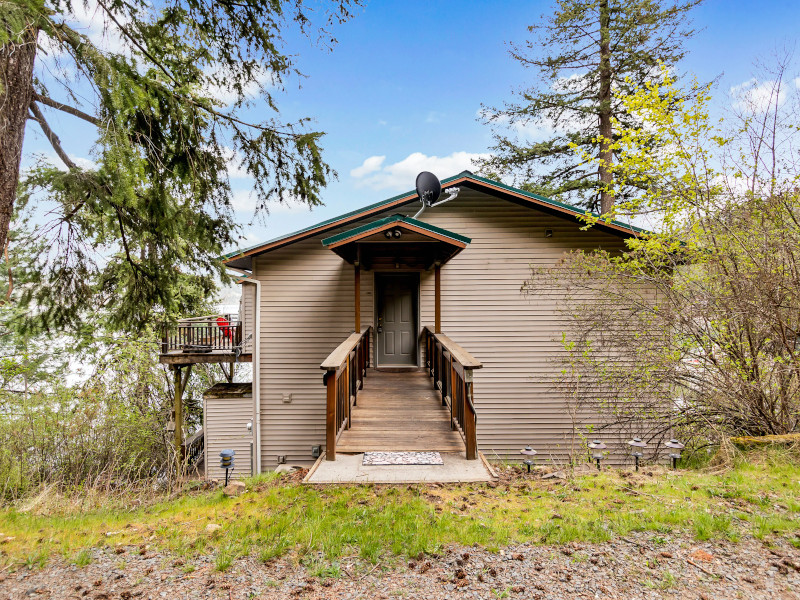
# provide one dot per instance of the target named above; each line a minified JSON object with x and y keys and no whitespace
{"x":451,"y":367}
{"x":195,"y":448}
{"x":203,"y":334}
{"x":345,"y":370}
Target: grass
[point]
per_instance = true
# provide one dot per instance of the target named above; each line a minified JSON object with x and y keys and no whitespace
{"x":320,"y":525}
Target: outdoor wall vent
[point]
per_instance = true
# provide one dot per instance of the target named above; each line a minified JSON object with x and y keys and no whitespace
{"x":287,"y":398}
{"x":281,"y":459}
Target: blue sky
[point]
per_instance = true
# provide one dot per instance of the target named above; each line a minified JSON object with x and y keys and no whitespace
{"x":401,"y":90}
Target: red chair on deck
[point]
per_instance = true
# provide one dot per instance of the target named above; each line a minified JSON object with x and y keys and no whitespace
{"x":225,"y":327}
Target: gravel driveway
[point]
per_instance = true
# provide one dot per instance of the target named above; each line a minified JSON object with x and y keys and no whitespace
{"x":637,"y":567}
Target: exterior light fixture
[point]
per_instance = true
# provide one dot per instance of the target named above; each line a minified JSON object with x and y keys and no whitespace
{"x":226,"y":462}
{"x":548,"y":233}
{"x":388,"y":234}
{"x":597,"y":448}
{"x":676,"y":448}
{"x":397,"y":233}
{"x":529,"y":453}
{"x":635,"y":444}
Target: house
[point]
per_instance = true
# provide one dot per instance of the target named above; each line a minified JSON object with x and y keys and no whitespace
{"x":353,"y":321}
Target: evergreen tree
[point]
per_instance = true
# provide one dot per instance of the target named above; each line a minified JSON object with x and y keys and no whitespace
{"x":140,"y":231}
{"x":584,"y":54}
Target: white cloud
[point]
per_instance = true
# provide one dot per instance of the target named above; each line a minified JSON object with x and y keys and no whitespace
{"x":84,"y":163}
{"x":226,"y":95}
{"x":756,"y":97}
{"x":235,"y":168}
{"x":372,"y":164}
{"x":91,"y":20}
{"x":402,"y":174}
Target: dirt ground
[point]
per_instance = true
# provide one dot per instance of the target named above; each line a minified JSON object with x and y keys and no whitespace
{"x":636,"y":567}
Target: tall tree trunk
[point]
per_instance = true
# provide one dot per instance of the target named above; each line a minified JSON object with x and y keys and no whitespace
{"x":604,"y":101}
{"x":16,"y":91}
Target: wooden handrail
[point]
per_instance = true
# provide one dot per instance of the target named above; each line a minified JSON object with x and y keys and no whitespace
{"x":451,"y":368}
{"x":464,"y":358}
{"x":337,"y":357}
{"x":345,"y":369}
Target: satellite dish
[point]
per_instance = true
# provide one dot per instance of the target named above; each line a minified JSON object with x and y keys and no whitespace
{"x":428,"y":188}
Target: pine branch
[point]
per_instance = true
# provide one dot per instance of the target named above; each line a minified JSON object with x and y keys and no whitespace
{"x":135,"y":42}
{"x":67,"y":109}
{"x":51,"y":136}
{"x":162,"y":68}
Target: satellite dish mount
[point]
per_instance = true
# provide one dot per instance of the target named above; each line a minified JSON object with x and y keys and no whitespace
{"x":429,"y":190}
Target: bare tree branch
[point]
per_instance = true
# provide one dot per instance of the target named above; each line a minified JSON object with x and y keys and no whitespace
{"x":51,"y":136}
{"x":67,"y":109}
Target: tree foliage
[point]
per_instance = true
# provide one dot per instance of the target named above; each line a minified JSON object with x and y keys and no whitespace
{"x":170,"y":104}
{"x":586,"y":56}
{"x":108,"y":432}
{"x":698,"y":323}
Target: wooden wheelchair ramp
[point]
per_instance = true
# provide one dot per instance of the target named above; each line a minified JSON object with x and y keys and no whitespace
{"x":399,"y":411}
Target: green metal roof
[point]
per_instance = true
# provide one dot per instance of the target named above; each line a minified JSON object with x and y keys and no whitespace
{"x":411,"y":195}
{"x":356,"y":231}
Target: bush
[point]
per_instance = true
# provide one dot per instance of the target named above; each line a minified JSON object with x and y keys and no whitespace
{"x":108,"y":432}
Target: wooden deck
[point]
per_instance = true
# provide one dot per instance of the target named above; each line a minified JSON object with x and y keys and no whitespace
{"x":399,"y":412}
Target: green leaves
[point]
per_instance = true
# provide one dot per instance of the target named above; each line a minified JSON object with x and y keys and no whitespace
{"x":586,"y":57}
{"x":137,"y":236}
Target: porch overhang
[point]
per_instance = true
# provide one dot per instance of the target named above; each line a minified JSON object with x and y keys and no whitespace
{"x":396,"y":242}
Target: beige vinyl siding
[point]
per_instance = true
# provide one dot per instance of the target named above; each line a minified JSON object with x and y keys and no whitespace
{"x":225,"y":424}
{"x":307,"y":310}
{"x":247,"y":315}
{"x":515,"y":336}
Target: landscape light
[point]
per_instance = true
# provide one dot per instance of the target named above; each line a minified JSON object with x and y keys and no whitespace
{"x":597,"y":448}
{"x":635,"y":444}
{"x":226,"y":462}
{"x":676,"y":448}
{"x":530,"y":453}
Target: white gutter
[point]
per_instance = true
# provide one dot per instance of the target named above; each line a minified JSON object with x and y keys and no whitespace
{"x":256,"y":371}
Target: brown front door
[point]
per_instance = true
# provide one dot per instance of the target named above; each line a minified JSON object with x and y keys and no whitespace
{"x":397,"y":298}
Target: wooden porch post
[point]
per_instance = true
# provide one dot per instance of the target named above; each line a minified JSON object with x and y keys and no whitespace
{"x":437,"y":307}
{"x":358,"y":298}
{"x":330,"y":417}
{"x":470,"y":433}
{"x":180,"y":382}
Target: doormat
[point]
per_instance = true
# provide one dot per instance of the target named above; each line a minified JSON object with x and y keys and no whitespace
{"x":401,"y":458}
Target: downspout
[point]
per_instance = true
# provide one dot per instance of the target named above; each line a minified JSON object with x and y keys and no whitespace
{"x":257,"y":371}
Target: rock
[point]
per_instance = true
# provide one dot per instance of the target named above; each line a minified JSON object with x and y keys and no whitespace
{"x":286,"y":469}
{"x":234,"y":488}
{"x":555,"y":475}
{"x":212,"y":527}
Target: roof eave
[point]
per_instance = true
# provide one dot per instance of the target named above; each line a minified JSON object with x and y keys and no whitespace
{"x":401,"y":199}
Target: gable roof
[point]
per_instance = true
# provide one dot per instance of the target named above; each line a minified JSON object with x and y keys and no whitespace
{"x":388,"y":222}
{"x":236,"y":259}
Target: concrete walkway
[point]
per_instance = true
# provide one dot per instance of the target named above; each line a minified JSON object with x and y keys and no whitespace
{"x":347,"y":468}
